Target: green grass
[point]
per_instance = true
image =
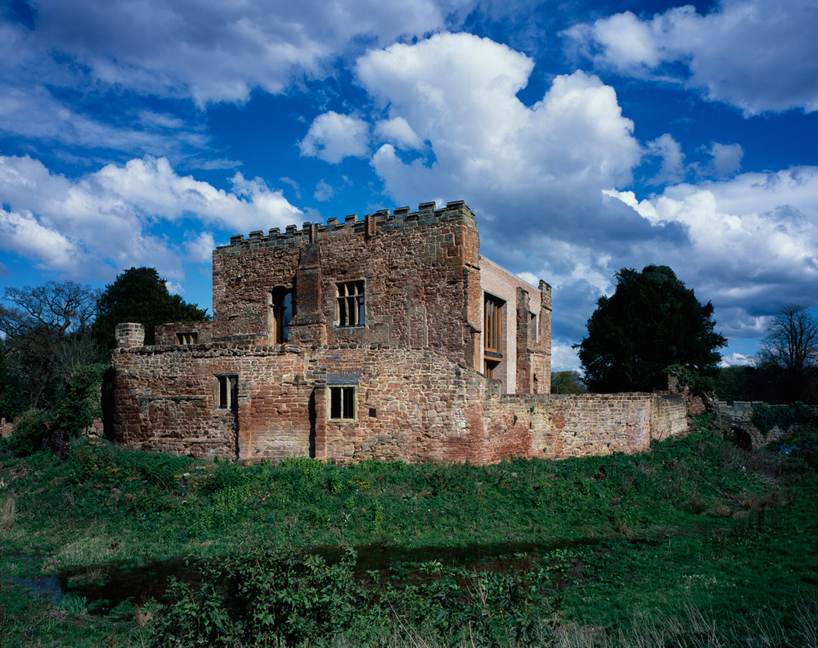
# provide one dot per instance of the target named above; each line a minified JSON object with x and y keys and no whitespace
{"x":694,"y":530}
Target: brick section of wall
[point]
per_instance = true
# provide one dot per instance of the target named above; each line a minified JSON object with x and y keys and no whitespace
{"x":412,"y":405}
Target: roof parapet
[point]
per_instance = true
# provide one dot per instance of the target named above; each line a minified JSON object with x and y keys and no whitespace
{"x":383,"y":219}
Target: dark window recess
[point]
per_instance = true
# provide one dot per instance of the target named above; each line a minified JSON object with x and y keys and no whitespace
{"x":342,"y":403}
{"x":279,"y":314}
{"x":350,"y":304}
{"x":188,"y":337}
{"x":488,"y":368}
{"x":228,"y":392}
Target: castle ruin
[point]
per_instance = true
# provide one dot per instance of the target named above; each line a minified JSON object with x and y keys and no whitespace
{"x":389,"y":337}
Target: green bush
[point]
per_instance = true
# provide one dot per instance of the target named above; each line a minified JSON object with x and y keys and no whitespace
{"x":31,"y":432}
{"x":766,"y":417}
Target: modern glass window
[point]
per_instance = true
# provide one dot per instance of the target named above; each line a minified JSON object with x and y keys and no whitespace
{"x":493,"y":326}
{"x":349,"y":303}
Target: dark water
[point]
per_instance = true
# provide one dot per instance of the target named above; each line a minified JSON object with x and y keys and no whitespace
{"x":107,"y":586}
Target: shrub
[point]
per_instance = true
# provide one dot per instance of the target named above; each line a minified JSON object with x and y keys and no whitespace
{"x":31,"y":433}
{"x":766,"y":417}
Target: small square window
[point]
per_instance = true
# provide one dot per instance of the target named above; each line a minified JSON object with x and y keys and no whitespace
{"x":187,"y":337}
{"x":342,"y":403}
{"x":227,"y":392}
{"x":350,"y":306}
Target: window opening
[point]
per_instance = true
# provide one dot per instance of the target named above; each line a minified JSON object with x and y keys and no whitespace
{"x":350,"y":303}
{"x":493,"y":327}
{"x":534,"y":331}
{"x":279,"y":314}
{"x":228,"y":392}
{"x":342,"y":403}
{"x":488,"y":368}
{"x":187,"y":337}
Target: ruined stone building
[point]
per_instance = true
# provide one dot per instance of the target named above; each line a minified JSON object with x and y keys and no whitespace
{"x":389,"y":337}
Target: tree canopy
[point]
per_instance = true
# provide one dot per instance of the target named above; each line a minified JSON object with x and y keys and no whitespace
{"x":140,"y":295}
{"x":650,"y":322}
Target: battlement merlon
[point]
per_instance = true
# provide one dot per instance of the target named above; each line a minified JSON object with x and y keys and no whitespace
{"x":383,"y":220}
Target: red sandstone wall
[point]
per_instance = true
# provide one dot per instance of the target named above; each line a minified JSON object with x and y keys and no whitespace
{"x":415,"y":267}
{"x":166,"y":333}
{"x":412,"y":405}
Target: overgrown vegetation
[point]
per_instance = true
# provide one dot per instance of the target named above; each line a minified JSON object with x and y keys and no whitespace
{"x":694,"y":543}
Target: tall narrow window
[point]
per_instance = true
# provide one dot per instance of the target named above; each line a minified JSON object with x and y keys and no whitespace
{"x":279,"y":314}
{"x":492,"y":334}
{"x":227,"y":392}
{"x":342,"y":403}
{"x":350,"y":303}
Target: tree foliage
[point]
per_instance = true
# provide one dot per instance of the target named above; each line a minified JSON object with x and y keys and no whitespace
{"x":567,"y":382}
{"x":651,"y":321}
{"x":140,"y":295}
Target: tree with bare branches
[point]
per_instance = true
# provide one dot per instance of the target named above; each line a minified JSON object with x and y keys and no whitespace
{"x":792,"y":345}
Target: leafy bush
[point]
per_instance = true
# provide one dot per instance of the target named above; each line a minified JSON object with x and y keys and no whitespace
{"x":82,"y":402}
{"x":31,"y":432}
{"x":266,"y":596}
{"x":766,"y":417}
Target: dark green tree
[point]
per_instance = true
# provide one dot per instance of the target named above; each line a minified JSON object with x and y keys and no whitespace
{"x":651,"y":321}
{"x":140,"y":295}
{"x":567,"y":382}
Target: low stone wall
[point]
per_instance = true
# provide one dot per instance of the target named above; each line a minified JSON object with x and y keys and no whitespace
{"x":412,"y":405}
{"x":6,"y":428}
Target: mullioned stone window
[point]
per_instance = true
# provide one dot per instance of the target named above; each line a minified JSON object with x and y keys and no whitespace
{"x":187,"y":337}
{"x":350,"y":305}
{"x":342,"y":403}
{"x":227,"y":392}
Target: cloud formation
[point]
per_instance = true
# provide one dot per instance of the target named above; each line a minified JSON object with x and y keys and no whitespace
{"x":215,"y":51}
{"x":105,"y":219}
{"x":757,"y":55}
{"x":546,"y":183}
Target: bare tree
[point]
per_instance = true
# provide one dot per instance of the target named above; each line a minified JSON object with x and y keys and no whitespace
{"x":791,"y":345}
{"x":43,"y":331}
{"x":792,"y":339}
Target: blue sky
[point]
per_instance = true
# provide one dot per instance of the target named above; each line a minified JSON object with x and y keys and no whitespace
{"x":587,"y":136}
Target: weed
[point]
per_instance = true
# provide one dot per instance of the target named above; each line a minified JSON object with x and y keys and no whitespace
{"x":8,"y":512}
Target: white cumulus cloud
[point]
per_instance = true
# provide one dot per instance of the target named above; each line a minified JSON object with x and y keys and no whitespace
{"x":332,"y":137}
{"x":757,"y":55}
{"x":85,"y":226}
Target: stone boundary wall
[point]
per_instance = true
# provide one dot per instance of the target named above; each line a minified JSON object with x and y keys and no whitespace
{"x":579,"y":425}
{"x":413,"y":405}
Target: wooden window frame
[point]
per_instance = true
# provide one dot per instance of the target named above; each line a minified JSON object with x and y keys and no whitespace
{"x":493,"y":326}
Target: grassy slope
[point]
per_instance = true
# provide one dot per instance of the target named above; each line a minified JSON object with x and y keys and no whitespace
{"x":694,"y":522}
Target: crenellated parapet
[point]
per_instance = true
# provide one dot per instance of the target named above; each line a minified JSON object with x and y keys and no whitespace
{"x":381,"y":221}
